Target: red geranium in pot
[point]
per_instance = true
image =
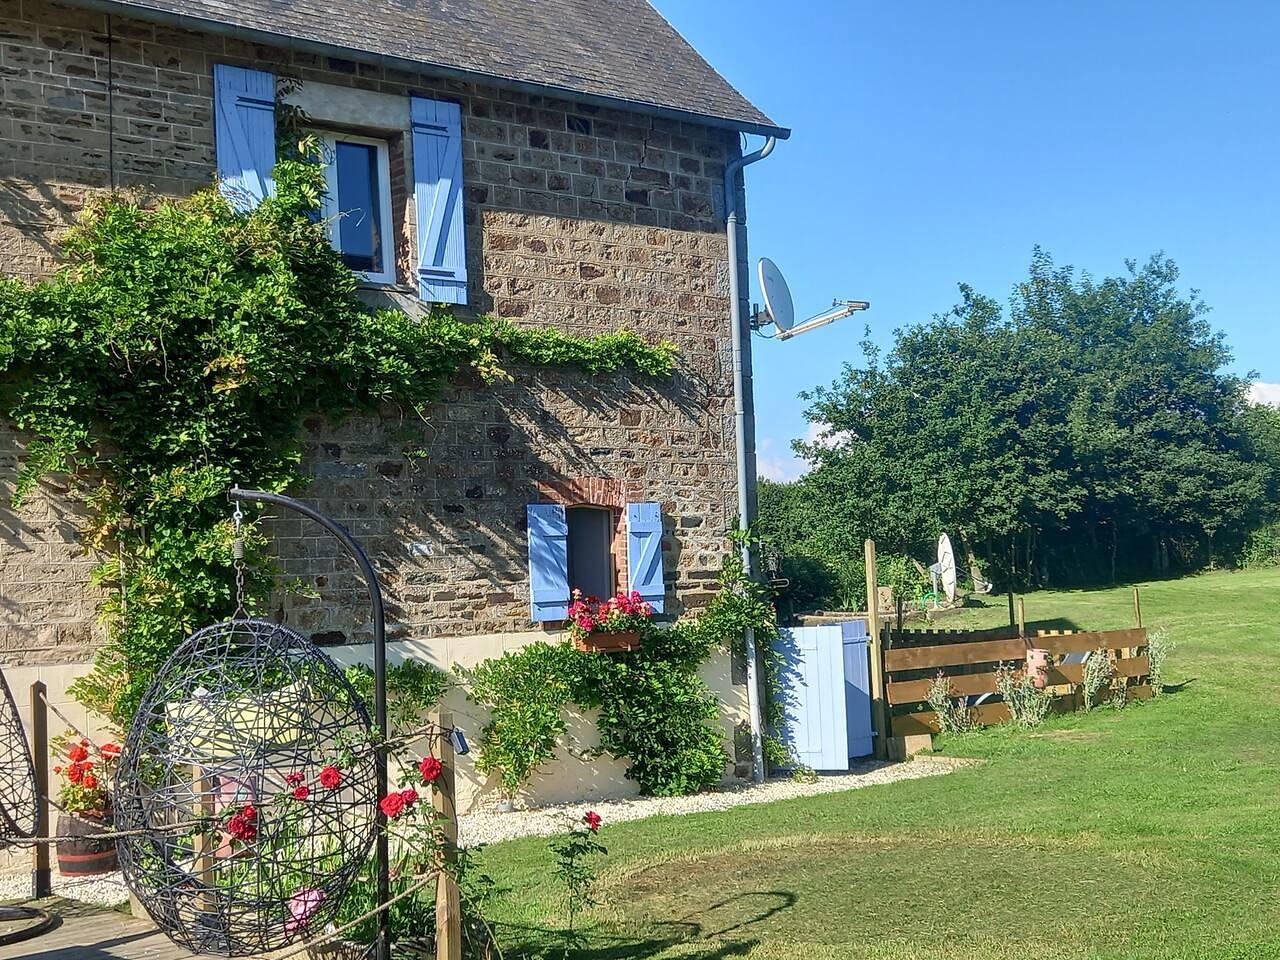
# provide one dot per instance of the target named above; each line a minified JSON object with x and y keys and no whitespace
{"x":609,"y":626}
{"x":85,"y":773}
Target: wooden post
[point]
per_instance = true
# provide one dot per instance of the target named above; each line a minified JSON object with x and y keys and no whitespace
{"x":443,"y":799}
{"x":1013,"y":617}
{"x":1137,"y":608}
{"x":1022,"y":617}
{"x":879,"y":724}
{"x":204,"y":807}
{"x":41,"y":876}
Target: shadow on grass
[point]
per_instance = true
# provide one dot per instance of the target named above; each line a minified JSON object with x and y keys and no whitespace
{"x":1053,"y":623}
{"x":690,"y":932}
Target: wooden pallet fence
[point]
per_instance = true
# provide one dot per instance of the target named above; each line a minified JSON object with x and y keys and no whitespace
{"x":969,"y":660}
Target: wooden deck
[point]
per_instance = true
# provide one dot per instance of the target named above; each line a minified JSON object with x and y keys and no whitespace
{"x":90,"y":933}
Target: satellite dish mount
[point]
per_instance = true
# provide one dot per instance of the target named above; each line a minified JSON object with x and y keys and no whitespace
{"x":779,"y":309}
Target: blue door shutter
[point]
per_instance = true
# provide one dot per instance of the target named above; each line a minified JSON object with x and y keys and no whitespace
{"x":815,"y":729}
{"x":437,"y":175}
{"x":548,"y":562}
{"x":857,"y":688}
{"x":245,"y":133}
{"x":644,"y":553}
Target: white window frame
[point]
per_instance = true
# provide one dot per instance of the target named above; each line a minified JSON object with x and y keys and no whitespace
{"x":329,"y":207}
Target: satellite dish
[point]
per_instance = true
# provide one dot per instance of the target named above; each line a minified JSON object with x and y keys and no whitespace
{"x":777,"y":296}
{"x":947,"y":566}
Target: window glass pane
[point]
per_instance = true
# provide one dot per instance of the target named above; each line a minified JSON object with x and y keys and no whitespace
{"x":590,"y":554}
{"x":360,"y":207}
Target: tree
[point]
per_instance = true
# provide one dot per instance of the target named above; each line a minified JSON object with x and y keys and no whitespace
{"x":1092,"y":432}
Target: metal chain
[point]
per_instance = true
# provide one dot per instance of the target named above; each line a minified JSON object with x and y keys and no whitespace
{"x":237,"y":562}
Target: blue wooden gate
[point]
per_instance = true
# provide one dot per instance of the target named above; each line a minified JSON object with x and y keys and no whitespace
{"x":826,"y":694}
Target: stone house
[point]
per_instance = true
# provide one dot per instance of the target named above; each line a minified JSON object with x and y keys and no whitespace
{"x":554,"y":162}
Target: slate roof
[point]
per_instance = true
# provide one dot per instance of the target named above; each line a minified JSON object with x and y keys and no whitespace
{"x":602,"y":50}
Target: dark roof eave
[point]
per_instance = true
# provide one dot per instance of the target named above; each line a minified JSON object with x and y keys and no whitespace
{"x":133,"y":11}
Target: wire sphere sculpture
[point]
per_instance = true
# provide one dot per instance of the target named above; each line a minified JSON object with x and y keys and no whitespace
{"x":248,"y":790}
{"x":19,"y":802}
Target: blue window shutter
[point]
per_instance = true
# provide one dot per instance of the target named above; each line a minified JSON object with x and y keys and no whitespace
{"x":644,"y":553}
{"x":245,"y":133}
{"x":548,"y":562}
{"x":437,"y":175}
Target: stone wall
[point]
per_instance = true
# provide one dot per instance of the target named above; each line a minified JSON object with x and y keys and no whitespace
{"x":586,"y":218}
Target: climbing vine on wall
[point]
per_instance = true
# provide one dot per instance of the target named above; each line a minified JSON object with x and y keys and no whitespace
{"x":654,"y":711}
{"x":178,"y":351}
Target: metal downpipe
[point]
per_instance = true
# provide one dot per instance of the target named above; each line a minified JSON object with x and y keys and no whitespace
{"x":744,"y":421}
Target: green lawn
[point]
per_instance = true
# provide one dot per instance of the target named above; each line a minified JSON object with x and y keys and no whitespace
{"x":1148,"y":832}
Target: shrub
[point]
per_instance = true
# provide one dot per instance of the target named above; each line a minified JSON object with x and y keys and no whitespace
{"x":952,"y":713}
{"x":662,"y":718}
{"x":1159,"y":646}
{"x":1099,"y":671}
{"x":1028,"y":704}
{"x":526,"y":692}
{"x":413,"y":688}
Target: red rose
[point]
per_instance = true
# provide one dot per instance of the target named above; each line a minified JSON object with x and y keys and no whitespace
{"x":249,"y":812}
{"x":293,"y":779}
{"x":241,"y":827}
{"x":330,"y":777}
{"x":430,"y":768}
{"x":410,"y":797}
{"x":77,"y":754}
{"x":392,"y":805}
{"x":301,"y":792}
{"x":592,"y":820}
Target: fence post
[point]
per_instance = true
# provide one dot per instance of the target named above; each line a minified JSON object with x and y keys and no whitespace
{"x":879,"y":722}
{"x":1137,"y":608}
{"x":41,"y":877}
{"x":1022,"y":617}
{"x":1013,"y":617}
{"x":443,"y":799}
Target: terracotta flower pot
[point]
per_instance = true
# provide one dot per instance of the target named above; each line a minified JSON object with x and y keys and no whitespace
{"x":86,"y":855}
{"x":619,"y":642}
{"x":1038,"y":667}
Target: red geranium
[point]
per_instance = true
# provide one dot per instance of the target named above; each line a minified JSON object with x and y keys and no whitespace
{"x":625,"y":611}
{"x":75,"y":772}
{"x":593,"y":821}
{"x":301,"y":792}
{"x":90,"y":782}
{"x":110,"y":750}
{"x":330,"y":778}
{"x":430,"y":768}
{"x":77,"y":754}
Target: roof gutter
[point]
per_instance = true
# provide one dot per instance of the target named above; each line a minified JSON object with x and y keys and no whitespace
{"x":188,"y":21}
{"x":744,"y":417}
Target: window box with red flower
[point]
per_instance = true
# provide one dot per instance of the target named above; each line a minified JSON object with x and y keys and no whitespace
{"x":609,"y":626}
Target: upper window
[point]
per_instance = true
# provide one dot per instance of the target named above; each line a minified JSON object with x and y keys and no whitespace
{"x":591,"y":551}
{"x":357,"y":209}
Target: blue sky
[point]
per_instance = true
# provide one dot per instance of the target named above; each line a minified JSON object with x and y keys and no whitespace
{"x":935,"y":143}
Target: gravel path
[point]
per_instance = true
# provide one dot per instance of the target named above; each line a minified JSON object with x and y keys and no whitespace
{"x":544,"y":821}
{"x":107,"y":890}
{"x":477,"y":828}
